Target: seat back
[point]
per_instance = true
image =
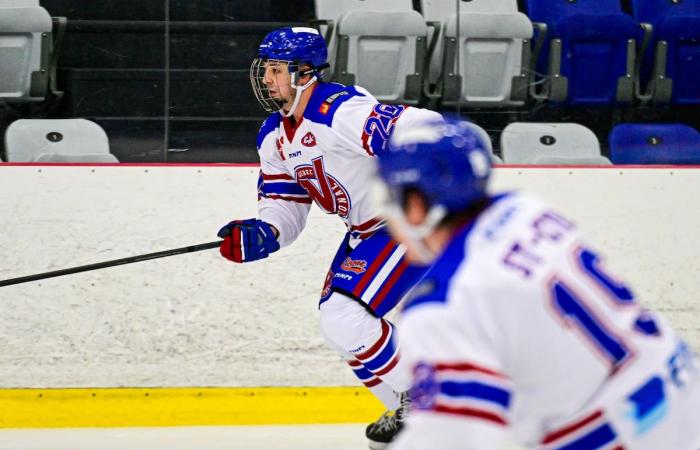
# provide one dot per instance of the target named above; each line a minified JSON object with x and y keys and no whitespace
{"x":656,"y":12}
{"x":31,"y":140}
{"x":25,"y":43}
{"x":334,"y":10}
{"x":383,"y":51}
{"x":676,"y":48}
{"x":528,"y":143}
{"x":442,"y":11}
{"x":654,"y":144}
{"x":489,"y":69}
{"x":589,"y":53}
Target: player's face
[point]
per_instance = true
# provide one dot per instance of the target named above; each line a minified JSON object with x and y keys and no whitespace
{"x":278,"y":81}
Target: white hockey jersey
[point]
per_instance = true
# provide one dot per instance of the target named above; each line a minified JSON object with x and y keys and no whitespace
{"x":327,"y":158}
{"x":519,"y":333}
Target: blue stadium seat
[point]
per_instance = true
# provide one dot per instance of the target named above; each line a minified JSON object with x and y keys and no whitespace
{"x":676,"y":66}
{"x":589,"y":52}
{"x":654,"y":144}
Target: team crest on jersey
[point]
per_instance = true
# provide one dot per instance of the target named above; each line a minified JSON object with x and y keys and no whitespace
{"x":324,"y":188}
{"x":309,"y":140}
{"x":354,"y":265}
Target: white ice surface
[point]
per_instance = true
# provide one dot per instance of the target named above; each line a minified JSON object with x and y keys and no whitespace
{"x":291,"y":437}
{"x":286,"y":437}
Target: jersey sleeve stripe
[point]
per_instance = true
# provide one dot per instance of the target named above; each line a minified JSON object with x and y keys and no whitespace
{"x":277,"y":176}
{"x":474,"y":413}
{"x":283,"y":188}
{"x":572,"y":428}
{"x":477,"y":390}
{"x":467,"y":367}
{"x":304,"y":200}
{"x":367,"y":225}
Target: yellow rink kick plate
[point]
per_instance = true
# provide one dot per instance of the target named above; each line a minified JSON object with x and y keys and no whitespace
{"x":156,"y":407}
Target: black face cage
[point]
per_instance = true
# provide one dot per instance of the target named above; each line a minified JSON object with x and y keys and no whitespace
{"x":262,"y":93}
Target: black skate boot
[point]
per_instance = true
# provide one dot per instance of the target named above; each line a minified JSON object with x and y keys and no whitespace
{"x":385,"y":429}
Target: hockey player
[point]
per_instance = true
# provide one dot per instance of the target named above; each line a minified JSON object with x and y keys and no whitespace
{"x":517,"y":331}
{"x":318,"y":145}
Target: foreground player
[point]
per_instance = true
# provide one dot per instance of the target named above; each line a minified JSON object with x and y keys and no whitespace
{"x":518,"y":331}
{"x":319,"y":144}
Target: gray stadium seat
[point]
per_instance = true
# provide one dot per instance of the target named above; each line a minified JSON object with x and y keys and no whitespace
{"x":384,"y":52}
{"x":493,"y":52}
{"x":57,"y":140}
{"x":550,"y":143}
{"x":329,"y":13}
{"x":25,"y":47}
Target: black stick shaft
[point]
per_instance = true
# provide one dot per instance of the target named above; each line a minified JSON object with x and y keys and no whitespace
{"x":114,"y":262}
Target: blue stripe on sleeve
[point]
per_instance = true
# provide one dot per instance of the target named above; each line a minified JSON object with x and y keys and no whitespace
{"x":595,"y":439}
{"x":283,"y":188}
{"x":476,"y":390}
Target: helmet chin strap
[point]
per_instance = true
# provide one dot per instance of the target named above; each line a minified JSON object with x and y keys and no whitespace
{"x":297,"y":97}
{"x":416,"y":234}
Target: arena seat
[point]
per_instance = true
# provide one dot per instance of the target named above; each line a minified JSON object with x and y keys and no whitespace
{"x":384,"y":52}
{"x":57,"y":140}
{"x":550,"y":143}
{"x":492,"y":51}
{"x":25,"y":46}
{"x":589,"y":52}
{"x":654,"y":144}
{"x":329,"y":12}
{"x":675,"y":69}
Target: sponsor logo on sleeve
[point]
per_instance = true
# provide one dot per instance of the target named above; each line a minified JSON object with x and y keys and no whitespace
{"x":326,"y":105}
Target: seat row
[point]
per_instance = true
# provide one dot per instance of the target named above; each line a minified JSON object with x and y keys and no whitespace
{"x":80,"y":140}
{"x":574,"y":144}
{"x":563,"y":51}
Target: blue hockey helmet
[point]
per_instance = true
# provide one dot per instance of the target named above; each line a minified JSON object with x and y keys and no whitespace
{"x":294,"y":46}
{"x":448,"y":161}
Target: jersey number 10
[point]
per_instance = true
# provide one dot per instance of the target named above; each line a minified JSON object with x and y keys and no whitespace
{"x":574,"y":309}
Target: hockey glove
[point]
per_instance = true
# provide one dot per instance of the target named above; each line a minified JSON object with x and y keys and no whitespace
{"x":247,"y":240}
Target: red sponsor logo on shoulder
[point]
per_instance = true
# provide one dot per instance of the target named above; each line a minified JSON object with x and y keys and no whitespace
{"x":309,"y":139}
{"x":354,"y":265}
{"x":324,"y":108}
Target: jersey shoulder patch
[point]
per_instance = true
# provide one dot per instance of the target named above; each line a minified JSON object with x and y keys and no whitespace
{"x":268,"y":126}
{"x":326,"y":100}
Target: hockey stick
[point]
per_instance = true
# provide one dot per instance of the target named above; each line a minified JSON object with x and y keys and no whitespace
{"x":114,"y":262}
